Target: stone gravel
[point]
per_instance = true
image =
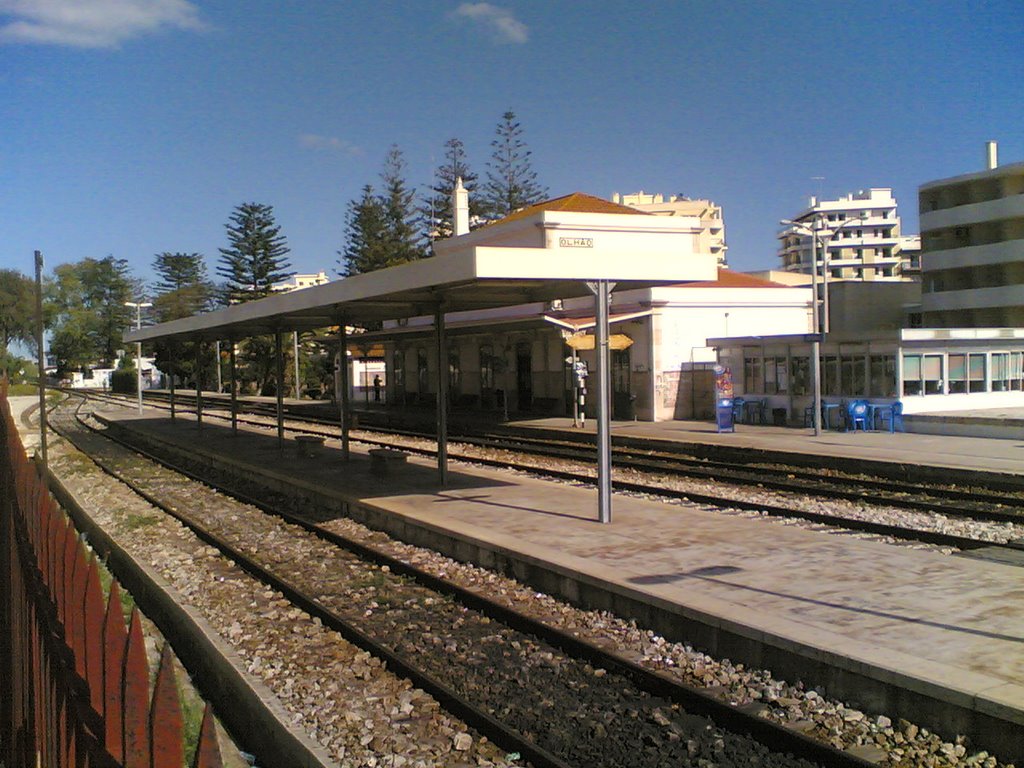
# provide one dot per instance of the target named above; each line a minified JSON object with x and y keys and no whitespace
{"x":336,"y":693}
{"x":882,"y":738}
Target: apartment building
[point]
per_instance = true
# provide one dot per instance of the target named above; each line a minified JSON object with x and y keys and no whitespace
{"x":972,"y":231}
{"x":298,"y":282}
{"x":861,"y":234}
{"x":710,"y":238}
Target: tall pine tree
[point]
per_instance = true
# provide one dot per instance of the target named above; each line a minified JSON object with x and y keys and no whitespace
{"x":399,"y":212}
{"x":182,"y":287}
{"x":365,"y":239}
{"x":256,"y":258}
{"x":437,"y":213}
{"x":380,"y":229}
{"x":511,"y":181}
{"x":255,"y":261}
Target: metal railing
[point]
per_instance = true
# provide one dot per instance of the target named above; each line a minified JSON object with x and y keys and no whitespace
{"x":76,"y":688}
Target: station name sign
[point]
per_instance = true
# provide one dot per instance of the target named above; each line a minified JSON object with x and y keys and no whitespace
{"x":575,"y":242}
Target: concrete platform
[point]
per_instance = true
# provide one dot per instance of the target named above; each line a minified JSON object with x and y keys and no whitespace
{"x":908,"y":633}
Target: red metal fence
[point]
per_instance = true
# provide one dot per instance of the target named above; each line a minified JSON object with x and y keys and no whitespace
{"x":74,"y":678}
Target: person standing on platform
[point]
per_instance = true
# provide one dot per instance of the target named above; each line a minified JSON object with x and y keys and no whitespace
{"x":376,"y":388}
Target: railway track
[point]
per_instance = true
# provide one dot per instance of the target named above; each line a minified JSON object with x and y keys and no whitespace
{"x":649,"y":468}
{"x":532,"y":688}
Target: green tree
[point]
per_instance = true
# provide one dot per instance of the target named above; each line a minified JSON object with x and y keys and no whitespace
{"x":255,"y":261}
{"x":400,"y":238}
{"x":365,"y":240}
{"x":511,"y":181}
{"x":437,"y":212}
{"x":17,"y":309}
{"x":181,"y":289}
{"x":256,"y":256}
{"x":87,"y":298}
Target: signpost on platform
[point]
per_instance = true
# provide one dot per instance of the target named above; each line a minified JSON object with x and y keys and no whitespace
{"x":723,"y":399}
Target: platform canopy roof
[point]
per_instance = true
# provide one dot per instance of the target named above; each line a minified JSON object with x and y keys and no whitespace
{"x":471,"y":274}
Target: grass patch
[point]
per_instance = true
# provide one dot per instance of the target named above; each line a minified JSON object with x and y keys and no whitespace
{"x":134,"y":522}
{"x":127,"y":603}
{"x":21,"y":390}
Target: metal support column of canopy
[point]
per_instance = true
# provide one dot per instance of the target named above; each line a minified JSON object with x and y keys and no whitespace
{"x":279,"y":387}
{"x":199,"y":385}
{"x":172,"y":359}
{"x":442,"y":396}
{"x":232,"y":372}
{"x":602,"y":292}
{"x":343,"y":388}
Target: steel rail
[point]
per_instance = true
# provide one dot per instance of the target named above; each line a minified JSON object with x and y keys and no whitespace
{"x":474,"y":717}
{"x":936,"y":538}
{"x":904,"y":494}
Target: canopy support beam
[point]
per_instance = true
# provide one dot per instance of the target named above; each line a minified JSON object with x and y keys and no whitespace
{"x":232,"y":373}
{"x":173,"y":363}
{"x":343,"y":388}
{"x":199,"y":385}
{"x":442,"y":395}
{"x":602,"y":294}
{"x":279,"y":388}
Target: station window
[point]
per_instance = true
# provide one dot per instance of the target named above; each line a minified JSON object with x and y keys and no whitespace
{"x":882,"y":376}
{"x":957,"y":373}
{"x":976,"y":372}
{"x":932,"y":374}
{"x":830,"y":375}
{"x":776,"y":376}
{"x":398,"y":369}
{"x":799,"y":375}
{"x":923,"y":374}
{"x":853,"y":375}
{"x":1000,"y":371}
{"x":486,"y":368}
{"x":1016,"y":370}
{"x":752,"y":382}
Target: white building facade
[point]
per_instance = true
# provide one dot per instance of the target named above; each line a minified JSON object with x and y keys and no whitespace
{"x":710,"y":237}
{"x":928,"y":370}
{"x":862,"y":237}
{"x":520,"y":358}
{"x":972,"y":228}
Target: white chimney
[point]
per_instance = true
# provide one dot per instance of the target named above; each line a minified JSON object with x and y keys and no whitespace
{"x":460,"y":205}
{"x":991,"y":155}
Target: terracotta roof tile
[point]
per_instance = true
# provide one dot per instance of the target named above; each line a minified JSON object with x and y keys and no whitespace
{"x":577,"y":202}
{"x":729,"y":279}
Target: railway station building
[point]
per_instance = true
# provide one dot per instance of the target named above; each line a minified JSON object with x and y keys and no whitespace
{"x":521,"y":358}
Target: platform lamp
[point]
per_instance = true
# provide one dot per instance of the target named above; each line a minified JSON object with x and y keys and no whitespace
{"x":815,"y":321}
{"x":139,"y":305}
{"x":820,"y":324}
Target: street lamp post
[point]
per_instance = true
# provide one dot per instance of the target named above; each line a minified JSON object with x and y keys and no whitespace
{"x":859,"y":219}
{"x":820,"y":325}
{"x":138,"y":305}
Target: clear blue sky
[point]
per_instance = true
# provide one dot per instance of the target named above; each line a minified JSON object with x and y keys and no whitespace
{"x":129,"y":127}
